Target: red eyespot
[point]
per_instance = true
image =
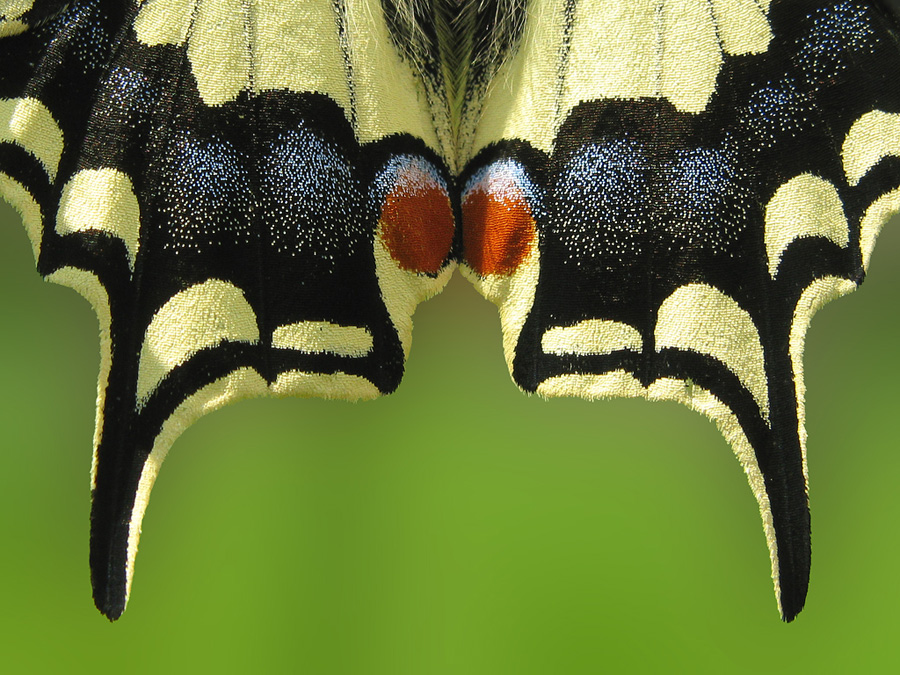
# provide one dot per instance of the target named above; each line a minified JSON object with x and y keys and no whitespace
{"x":498,"y":228}
{"x":417,"y":219}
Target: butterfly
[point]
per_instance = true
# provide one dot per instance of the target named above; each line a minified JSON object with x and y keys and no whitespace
{"x":255,"y":196}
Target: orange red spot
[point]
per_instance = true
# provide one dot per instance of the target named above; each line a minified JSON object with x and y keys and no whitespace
{"x":417,"y":223}
{"x":498,"y":231}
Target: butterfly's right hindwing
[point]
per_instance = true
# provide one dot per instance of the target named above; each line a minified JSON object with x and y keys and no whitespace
{"x":676,"y":193}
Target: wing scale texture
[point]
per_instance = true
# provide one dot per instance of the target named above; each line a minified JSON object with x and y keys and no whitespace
{"x":255,"y":196}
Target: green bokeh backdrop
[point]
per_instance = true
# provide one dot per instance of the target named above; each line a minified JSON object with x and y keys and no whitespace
{"x":454,"y":527}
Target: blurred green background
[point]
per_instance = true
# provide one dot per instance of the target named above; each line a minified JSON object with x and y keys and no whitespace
{"x":456,"y":526}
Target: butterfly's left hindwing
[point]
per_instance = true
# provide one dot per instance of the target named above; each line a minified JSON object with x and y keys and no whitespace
{"x":241,"y":225}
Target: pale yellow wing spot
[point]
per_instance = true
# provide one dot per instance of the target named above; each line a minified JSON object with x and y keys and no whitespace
{"x":11,"y":11}
{"x":389,"y":96}
{"x":743,"y":25}
{"x":604,"y":42}
{"x":219,"y":49}
{"x":694,"y":318}
{"x":202,"y":316}
{"x":805,"y":206}
{"x":872,"y":137}
{"x":164,"y":22}
{"x":103,"y":200}
{"x":11,"y":27}
{"x":318,"y":337}
{"x":291,"y":33}
{"x":690,"y":54}
{"x":28,"y":123}
{"x":232,"y":50}
{"x":296,"y":45}
{"x":591,"y":336}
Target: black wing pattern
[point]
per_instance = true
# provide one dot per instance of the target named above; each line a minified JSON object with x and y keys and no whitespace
{"x":668,"y":231}
{"x":255,"y":196}
{"x":224,"y":217}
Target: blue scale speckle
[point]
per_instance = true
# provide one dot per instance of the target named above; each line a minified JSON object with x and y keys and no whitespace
{"x":600,"y":193}
{"x":206,"y":200}
{"x":614,"y":201}
{"x":836,"y":37}
{"x":127,"y":94}
{"x":81,"y":24}
{"x":772,"y":112}
{"x":706,"y":199}
{"x":311,"y":198}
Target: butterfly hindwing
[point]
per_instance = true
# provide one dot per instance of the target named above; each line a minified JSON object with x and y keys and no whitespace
{"x":239,"y":224}
{"x":687,"y":183}
{"x":255,"y":196}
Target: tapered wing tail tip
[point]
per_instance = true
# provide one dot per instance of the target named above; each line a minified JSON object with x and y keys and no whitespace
{"x":109,"y":588}
{"x":790,"y":612}
{"x":113,"y":614}
{"x":111,"y":609}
